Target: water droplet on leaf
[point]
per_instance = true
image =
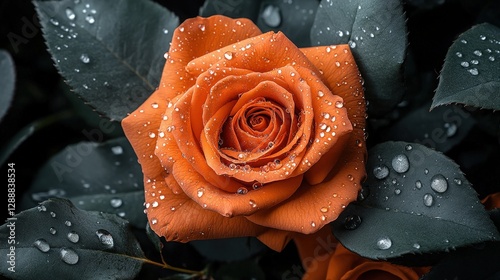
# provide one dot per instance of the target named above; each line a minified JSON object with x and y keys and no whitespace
{"x":439,"y":183}
{"x":116,"y":202}
{"x":70,"y":14}
{"x":384,"y":243}
{"x":271,"y":16}
{"x":42,"y":245}
{"x":400,"y":163}
{"x":428,"y":199}
{"x":381,"y":172}
{"x":105,"y":238}
{"x":69,"y":256}
{"x":73,"y":236}
{"x":352,"y":222}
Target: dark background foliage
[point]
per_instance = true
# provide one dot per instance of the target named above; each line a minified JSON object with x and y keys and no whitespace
{"x":41,"y":94}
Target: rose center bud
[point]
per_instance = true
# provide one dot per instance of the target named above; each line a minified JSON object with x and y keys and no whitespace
{"x":256,"y":131}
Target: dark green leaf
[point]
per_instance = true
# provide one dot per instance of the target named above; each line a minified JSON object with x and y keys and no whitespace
{"x":294,"y":19}
{"x":441,"y":129}
{"x":470,"y":263}
{"x":376,"y":32}
{"x":231,"y":8}
{"x":109,"y":52}
{"x":7,"y":80}
{"x":101,"y":177}
{"x":415,"y":201}
{"x":470,"y":73}
{"x":56,"y":240}
{"x":17,"y":139}
{"x":229,"y":249}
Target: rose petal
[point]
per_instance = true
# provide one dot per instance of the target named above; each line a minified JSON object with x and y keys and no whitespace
{"x":178,"y":218}
{"x":194,"y":38}
{"x":315,"y":252}
{"x":322,"y":203}
{"x":141,"y":130}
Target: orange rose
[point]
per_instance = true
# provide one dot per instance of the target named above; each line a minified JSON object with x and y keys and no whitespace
{"x":338,"y":263}
{"x":247,"y":135}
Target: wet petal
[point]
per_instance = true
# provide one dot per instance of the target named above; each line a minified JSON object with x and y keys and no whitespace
{"x":178,"y":218}
{"x":217,"y":32}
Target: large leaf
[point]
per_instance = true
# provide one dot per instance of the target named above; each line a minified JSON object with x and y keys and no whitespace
{"x":441,"y":129}
{"x":471,"y":71}
{"x":376,"y":32}
{"x":7,"y":80}
{"x":415,"y":201}
{"x":109,"y":52}
{"x":293,"y":18}
{"x":59,"y":241}
{"x":100,"y":177}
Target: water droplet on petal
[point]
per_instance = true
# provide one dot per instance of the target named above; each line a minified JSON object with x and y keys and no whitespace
{"x":68,"y":256}
{"x":200,"y":192}
{"x":242,"y":190}
{"x":400,"y":163}
{"x":439,"y":183}
{"x":428,"y":199}
{"x":381,"y":172}
{"x":352,"y":222}
{"x":271,"y":16}
{"x":73,"y":236}
{"x":252,"y":203}
{"x":339,"y":104}
{"x":105,"y":238}
{"x":384,"y":243}
{"x":42,"y":245}
{"x":228,"y":55}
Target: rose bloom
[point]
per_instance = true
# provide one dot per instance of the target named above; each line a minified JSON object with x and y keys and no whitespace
{"x":248,"y":135}
{"x":324,"y":258}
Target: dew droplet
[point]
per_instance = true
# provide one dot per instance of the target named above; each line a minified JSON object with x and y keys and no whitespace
{"x":73,"y":236}
{"x":116,"y":202}
{"x":381,"y":172}
{"x":418,"y":184}
{"x":117,"y":150}
{"x":478,"y":53}
{"x":408,"y":147}
{"x":323,"y":209}
{"x":201,"y":27}
{"x":340,"y":33}
{"x":67,"y":223}
{"x":154,"y":105}
{"x":271,"y":16}
{"x":41,"y":208}
{"x":228,"y":55}
{"x":52,"y":214}
{"x":105,"y":238}
{"x":457,"y":181}
{"x":428,"y":199}
{"x":397,"y":191}
{"x":416,"y":246}
{"x":473,"y":71}
{"x":85,"y":58}
{"x":439,"y":183}
{"x":242,"y":190}
{"x":339,"y":104}
{"x":200,"y":192}
{"x":400,"y":163}
{"x":352,"y":222}
{"x":68,"y":256}
{"x":252,"y":203}
{"x":352,"y":44}
{"x":90,"y":19}
{"x":451,"y":129}
{"x":70,"y":14}
{"x":42,"y":245}
{"x":384,"y":243}
{"x":363,"y":193}
{"x":52,"y":231}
